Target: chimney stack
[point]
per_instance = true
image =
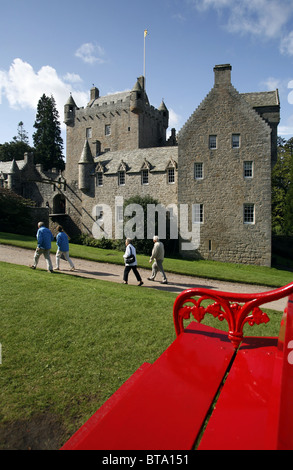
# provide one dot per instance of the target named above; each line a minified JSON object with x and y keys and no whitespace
{"x":222,"y":74}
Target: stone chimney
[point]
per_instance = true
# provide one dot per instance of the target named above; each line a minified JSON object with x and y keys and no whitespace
{"x":94,"y":93}
{"x":222,"y":74}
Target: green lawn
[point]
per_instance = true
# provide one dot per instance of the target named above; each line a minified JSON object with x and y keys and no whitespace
{"x":68,"y":343}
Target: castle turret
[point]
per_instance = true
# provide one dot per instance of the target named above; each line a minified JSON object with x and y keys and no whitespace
{"x":85,"y":166}
{"x":136,"y":98}
{"x":165,"y":113}
{"x":12,"y":175}
{"x":69,"y":111}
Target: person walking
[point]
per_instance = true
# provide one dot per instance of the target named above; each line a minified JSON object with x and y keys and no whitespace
{"x":62,"y":249}
{"x":130,"y":262}
{"x":157,"y":256}
{"x":44,"y":238}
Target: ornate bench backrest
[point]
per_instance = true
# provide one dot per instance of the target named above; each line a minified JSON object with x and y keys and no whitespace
{"x":236,"y":309}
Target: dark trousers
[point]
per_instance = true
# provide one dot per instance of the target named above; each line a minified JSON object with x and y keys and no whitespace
{"x":127,"y":269}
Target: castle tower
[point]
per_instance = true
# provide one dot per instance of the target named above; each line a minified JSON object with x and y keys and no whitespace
{"x":85,"y":165}
{"x":165,"y":113}
{"x":69,"y":111}
{"x":12,"y":175}
{"x":137,"y":98}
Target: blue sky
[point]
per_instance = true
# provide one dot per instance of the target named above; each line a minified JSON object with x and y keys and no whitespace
{"x":62,"y":47}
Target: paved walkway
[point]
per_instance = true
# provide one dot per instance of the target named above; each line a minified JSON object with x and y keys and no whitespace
{"x":114,"y":273}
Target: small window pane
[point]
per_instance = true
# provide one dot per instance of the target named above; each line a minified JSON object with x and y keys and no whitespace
{"x":197,"y":214}
{"x":89,"y":133}
{"x":107,"y":129}
{"x":213,"y":142}
{"x":248,"y":169}
{"x":171,"y":175}
{"x":235,"y":141}
{"x":145,"y":177}
{"x":121,"y":178}
{"x":100,"y":179}
{"x":198,"y":171}
{"x":249,"y":213}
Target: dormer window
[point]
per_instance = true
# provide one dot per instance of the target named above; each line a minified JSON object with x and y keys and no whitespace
{"x":145,"y":177}
{"x":171,"y":175}
{"x":99,"y":178}
{"x":121,"y":178}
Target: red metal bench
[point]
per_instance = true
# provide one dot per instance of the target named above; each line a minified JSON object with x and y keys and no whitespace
{"x":209,"y":389}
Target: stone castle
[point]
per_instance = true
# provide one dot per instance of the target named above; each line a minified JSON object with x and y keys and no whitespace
{"x":217,"y":168}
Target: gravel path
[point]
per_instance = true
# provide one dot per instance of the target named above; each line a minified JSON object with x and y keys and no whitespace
{"x":114,"y":273}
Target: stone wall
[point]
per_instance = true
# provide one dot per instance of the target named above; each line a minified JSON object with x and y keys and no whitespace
{"x":224,"y":190}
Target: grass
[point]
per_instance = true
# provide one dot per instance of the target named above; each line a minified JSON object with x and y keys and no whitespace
{"x":68,"y":343}
{"x":249,"y":274}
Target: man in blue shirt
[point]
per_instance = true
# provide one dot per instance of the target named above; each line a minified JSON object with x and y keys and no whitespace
{"x":44,"y":237}
{"x":63,"y":248}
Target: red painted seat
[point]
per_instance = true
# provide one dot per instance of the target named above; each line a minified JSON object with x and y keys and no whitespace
{"x":164,"y":405}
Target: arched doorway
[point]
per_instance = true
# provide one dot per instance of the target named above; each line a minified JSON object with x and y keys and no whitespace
{"x":59,"y":204}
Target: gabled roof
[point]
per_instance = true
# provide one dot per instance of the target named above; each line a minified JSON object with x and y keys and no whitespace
{"x":157,"y":157}
{"x":108,"y":99}
{"x":262,"y":99}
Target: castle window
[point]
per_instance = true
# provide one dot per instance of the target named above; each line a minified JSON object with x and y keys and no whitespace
{"x":107,"y":129}
{"x":197,"y":213}
{"x":248,"y":213}
{"x":121,"y":178}
{"x":145,"y":177}
{"x":99,"y":214}
{"x":198,"y":171}
{"x":99,"y":178}
{"x":89,"y":133}
{"x":119,"y":213}
{"x":171,"y":175}
{"x":248,"y":169}
{"x":98,"y":148}
{"x":212,"y":142}
{"x":235,"y":141}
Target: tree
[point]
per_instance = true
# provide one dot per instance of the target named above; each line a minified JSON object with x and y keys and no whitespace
{"x":21,"y":134}
{"x":146,"y":244}
{"x":16,"y":149}
{"x":15,"y":212}
{"x":47,"y":139}
{"x":282,"y":189}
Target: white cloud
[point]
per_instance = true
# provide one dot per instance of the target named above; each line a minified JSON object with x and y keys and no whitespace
{"x":285,"y":130}
{"x":174,"y":119}
{"x":290,"y":96}
{"x":272,"y":83}
{"x":286,"y":46}
{"x":90,"y":53}
{"x":265,"y":18}
{"x":23,"y":87}
{"x":72,"y":78}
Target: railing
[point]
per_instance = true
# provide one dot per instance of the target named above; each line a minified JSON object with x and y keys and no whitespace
{"x":236,"y":309}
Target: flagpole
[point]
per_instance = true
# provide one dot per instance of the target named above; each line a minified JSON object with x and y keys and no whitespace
{"x":145,"y":33}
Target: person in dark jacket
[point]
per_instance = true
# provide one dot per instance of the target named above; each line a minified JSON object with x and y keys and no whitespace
{"x":130,"y":264}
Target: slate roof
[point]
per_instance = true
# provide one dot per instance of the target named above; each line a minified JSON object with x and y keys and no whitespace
{"x":261,"y":99}
{"x":158,"y":158}
{"x":108,"y":99}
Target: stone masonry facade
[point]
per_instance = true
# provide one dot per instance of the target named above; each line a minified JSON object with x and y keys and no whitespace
{"x":218,"y":166}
